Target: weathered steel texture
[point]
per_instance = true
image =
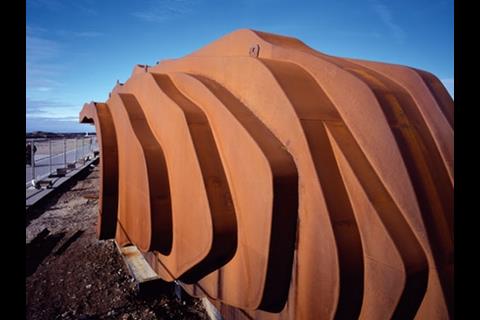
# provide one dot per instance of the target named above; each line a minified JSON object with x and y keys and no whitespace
{"x":99,"y":114}
{"x":283,"y":183}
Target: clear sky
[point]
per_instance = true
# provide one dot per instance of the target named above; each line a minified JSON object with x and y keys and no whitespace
{"x":78,"y":49}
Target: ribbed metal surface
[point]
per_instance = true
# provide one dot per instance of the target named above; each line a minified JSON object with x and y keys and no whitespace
{"x":283,"y":183}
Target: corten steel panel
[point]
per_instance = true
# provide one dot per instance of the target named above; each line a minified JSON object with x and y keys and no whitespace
{"x":283,"y":183}
{"x":99,"y":114}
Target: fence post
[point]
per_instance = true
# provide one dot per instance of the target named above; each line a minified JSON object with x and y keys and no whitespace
{"x":65,"y":152}
{"x":32,"y":159}
{"x":76,"y":144}
{"x":50,"y":156}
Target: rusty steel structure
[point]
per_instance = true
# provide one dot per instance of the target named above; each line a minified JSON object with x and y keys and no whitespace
{"x":283,"y":183}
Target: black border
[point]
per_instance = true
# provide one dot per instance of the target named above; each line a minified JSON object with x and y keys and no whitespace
{"x":467,"y":143}
{"x":13,"y":134}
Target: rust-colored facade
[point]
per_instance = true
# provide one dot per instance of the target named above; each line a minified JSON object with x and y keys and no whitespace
{"x":284,"y":183}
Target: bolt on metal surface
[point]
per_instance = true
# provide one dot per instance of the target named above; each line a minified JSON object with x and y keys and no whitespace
{"x":254,"y":51}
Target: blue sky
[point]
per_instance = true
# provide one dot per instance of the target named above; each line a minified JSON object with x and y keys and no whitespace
{"x":78,"y":49}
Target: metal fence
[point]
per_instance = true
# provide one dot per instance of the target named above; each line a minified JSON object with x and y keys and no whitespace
{"x":46,"y":157}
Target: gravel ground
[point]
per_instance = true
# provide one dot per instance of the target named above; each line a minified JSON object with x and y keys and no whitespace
{"x":72,"y":275}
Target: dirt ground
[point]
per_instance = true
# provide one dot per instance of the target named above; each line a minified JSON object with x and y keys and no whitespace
{"x":72,"y":275}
